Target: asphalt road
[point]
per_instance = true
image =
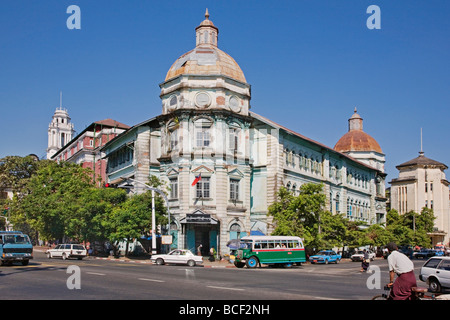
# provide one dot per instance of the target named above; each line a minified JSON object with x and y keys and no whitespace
{"x":47,"y":279}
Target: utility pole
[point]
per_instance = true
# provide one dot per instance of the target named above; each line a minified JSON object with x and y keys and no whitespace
{"x":153,"y":209}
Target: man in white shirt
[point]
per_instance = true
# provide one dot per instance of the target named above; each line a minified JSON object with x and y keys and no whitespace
{"x":400,"y":265}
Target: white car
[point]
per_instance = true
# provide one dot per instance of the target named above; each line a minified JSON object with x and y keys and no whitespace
{"x":66,"y":251}
{"x":436,"y":273}
{"x":359,"y":256}
{"x":178,"y":256}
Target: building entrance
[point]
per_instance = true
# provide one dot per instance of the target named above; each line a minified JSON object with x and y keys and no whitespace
{"x":200,"y":229}
{"x":202,"y":237}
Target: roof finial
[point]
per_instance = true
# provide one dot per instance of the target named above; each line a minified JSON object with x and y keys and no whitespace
{"x":207,"y":14}
{"x":355,"y":109}
{"x":421,"y":147}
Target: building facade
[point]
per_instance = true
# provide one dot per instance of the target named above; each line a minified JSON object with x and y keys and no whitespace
{"x":223,"y":163}
{"x":421,"y":183}
{"x":84,"y":149}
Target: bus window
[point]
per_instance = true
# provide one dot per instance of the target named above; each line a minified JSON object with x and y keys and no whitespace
{"x":271,"y":244}
{"x":264,"y":245}
{"x":257,"y":245}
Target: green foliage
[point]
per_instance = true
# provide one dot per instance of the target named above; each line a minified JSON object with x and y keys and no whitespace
{"x":303,"y":215}
{"x":61,"y":201}
{"x":410,"y":228}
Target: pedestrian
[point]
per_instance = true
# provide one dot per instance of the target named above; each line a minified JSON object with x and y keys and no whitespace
{"x":365,"y":261}
{"x":199,"y":250}
{"x":212,"y":253}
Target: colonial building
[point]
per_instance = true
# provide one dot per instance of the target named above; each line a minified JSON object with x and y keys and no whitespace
{"x":421,"y":183}
{"x":224,"y":163}
{"x":84,"y":149}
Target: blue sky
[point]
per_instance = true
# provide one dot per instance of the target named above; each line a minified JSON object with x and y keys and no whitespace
{"x":310,"y":63}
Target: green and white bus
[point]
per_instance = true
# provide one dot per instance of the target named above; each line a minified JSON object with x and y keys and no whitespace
{"x":271,"y":250}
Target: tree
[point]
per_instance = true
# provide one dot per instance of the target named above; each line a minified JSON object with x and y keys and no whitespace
{"x":132,"y":218}
{"x":410,"y":228}
{"x":52,"y":201}
{"x":303,"y":215}
{"x":15,"y":172}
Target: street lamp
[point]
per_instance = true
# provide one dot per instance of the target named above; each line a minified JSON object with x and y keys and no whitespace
{"x":153,"y":209}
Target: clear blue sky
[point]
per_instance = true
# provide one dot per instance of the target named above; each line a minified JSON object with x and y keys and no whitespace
{"x":310,"y":63}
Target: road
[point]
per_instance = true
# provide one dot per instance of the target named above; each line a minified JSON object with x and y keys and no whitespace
{"x":47,"y":279}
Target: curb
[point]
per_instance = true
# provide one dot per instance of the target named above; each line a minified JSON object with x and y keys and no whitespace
{"x":144,"y":261}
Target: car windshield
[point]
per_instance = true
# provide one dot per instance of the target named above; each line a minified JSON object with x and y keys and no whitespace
{"x":323,"y":253}
{"x":16,"y":239}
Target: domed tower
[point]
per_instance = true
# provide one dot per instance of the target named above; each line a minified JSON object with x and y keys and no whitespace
{"x":205,"y":78}
{"x":205,"y":147}
{"x":360,"y":145}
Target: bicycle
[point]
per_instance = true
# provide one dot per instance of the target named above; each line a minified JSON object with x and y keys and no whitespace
{"x":418,"y":293}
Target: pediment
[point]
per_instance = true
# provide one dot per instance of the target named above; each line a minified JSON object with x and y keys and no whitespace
{"x":235,"y":173}
{"x":202,"y":169}
{"x":171,"y":172}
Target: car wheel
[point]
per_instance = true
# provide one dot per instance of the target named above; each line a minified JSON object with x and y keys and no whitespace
{"x":434,"y":285}
{"x":159,"y":261}
{"x":64,"y":256}
{"x":326,"y":261}
{"x":49,"y":255}
{"x":252,"y":262}
{"x":191,"y":263}
{"x":338,"y":260}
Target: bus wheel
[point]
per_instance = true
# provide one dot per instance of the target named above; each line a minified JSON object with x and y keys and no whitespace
{"x":288,"y":265}
{"x":239,"y":264}
{"x":252,"y":262}
{"x":25,"y":262}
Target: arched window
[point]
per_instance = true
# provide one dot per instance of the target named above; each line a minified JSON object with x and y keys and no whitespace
{"x":235,"y":231}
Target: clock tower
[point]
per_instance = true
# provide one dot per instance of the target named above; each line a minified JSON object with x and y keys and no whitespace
{"x":60,"y":131}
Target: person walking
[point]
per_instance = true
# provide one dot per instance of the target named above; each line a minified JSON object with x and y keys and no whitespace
{"x":212,"y":253}
{"x":365,"y":261}
{"x":199,"y":250}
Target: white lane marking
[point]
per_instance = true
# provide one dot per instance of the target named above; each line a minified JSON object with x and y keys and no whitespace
{"x":153,"y":280}
{"x":225,"y":288}
{"x":96,"y":273}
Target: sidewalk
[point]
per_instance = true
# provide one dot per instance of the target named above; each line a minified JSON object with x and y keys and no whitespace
{"x":146,"y":259}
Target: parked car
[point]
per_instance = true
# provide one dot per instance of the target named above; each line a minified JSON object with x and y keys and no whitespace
{"x":436,"y":273}
{"x":325,"y":256}
{"x":66,"y":251}
{"x":423,"y":254}
{"x":178,"y":256}
{"x":359,"y":256}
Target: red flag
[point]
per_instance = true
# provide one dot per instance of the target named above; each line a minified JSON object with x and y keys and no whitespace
{"x":197,"y":179}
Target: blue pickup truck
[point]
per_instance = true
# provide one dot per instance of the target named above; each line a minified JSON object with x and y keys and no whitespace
{"x":15,"y":247}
